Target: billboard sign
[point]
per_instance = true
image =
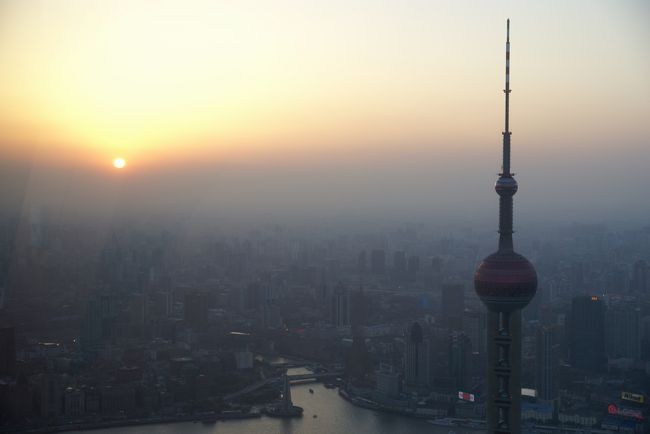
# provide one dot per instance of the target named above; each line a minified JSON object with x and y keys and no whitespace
{"x":624,"y":412}
{"x":634,"y":397}
{"x":529,"y":392}
{"x":466,"y":396}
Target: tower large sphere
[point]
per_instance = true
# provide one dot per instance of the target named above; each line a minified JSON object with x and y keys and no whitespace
{"x":505,"y":281}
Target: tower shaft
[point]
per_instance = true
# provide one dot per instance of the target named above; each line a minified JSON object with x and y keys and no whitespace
{"x":506,"y":282}
{"x":505,"y":224}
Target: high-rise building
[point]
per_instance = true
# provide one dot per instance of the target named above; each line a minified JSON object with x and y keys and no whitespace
{"x":531,"y":312}
{"x":362,"y":262}
{"x":623,"y":333}
{"x":359,"y":310}
{"x":413,"y":266}
{"x":452,"y":306}
{"x":100,"y":321}
{"x":436,"y":264}
{"x":545,"y":360}
{"x":388,"y":381}
{"x":506,"y":282}
{"x":474,"y":328}
{"x":358,"y":363}
{"x":196,"y":309}
{"x":139,"y":308}
{"x":92,"y":333}
{"x":378,"y":261}
{"x":253,"y":296}
{"x":617,"y":280}
{"x":645,"y":338}
{"x":586,"y":333}
{"x":162,"y":303}
{"x":340,"y":313}
{"x":40,"y":227}
{"x":577,"y":277}
{"x":399,"y":265}
{"x":271,"y":316}
{"x":434,"y":275}
{"x":417,"y":359}
{"x":7,"y":352}
{"x":332,"y":268}
{"x":460,"y":360}
{"x":51,"y":395}
{"x":640,"y":276}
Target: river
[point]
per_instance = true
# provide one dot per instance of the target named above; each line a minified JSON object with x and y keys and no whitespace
{"x":334,"y":416}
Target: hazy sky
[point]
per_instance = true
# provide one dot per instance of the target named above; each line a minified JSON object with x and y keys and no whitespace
{"x":332,"y":106}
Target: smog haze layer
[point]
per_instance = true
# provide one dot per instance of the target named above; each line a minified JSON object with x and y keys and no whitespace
{"x":300,"y":111}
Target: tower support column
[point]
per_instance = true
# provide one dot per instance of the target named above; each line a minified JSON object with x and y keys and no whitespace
{"x":504,"y":372}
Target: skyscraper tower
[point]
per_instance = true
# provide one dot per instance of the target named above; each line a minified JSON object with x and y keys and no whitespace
{"x":340,"y":306}
{"x":586,"y":333}
{"x":505,"y":281}
{"x":417,"y":358}
{"x":545,"y":361}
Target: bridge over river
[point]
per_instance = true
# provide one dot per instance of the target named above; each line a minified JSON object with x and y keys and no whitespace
{"x":293,"y":378}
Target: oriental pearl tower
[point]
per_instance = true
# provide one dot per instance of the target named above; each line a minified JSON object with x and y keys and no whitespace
{"x":505,"y":281}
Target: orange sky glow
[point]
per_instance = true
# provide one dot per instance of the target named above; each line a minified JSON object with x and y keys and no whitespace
{"x":167,"y":82}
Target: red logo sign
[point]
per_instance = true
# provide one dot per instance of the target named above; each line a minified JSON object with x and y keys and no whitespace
{"x":625,"y":412}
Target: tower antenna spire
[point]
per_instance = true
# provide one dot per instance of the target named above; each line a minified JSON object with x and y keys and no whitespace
{"x":506,"y":186}
{"x":506,"y":132}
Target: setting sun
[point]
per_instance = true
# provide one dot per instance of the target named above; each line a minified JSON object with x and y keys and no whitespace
{"x":119,"y":163}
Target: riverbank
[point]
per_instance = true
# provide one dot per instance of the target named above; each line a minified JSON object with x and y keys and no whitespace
{"x":420,"y":413}
{"x":333,"y":415}
{"x":87,"y":426}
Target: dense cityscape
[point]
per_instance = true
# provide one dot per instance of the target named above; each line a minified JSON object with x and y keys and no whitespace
{"x":280,"y":217}
{"x":148,"y":322}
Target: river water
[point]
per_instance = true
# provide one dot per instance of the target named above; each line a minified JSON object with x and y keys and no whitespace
{"x":334,"y":416}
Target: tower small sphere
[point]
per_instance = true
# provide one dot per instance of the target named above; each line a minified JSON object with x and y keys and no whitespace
{"x":506,"y":185}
